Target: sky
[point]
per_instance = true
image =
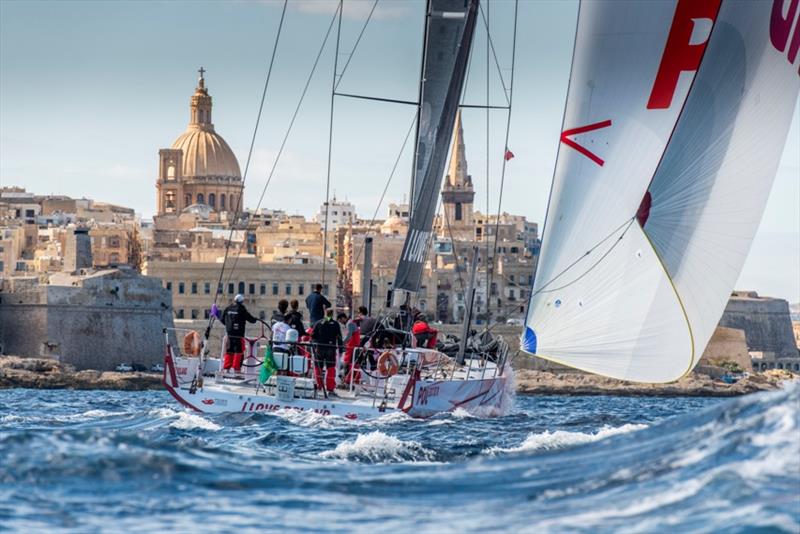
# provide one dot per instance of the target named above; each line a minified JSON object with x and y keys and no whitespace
{"x":90,"y":91}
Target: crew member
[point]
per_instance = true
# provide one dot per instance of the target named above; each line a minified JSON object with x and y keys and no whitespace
{"x":317,"y":304}
{"x":327,"y":338}
{"x":295,"y":317}
{"x":234,"y":317}
{"x":424,"y":334}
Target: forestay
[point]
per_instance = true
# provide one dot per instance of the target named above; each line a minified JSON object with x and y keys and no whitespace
{"x":659,"y":96}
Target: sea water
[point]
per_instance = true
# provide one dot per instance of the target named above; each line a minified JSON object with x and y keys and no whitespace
{"x":88,"y":461}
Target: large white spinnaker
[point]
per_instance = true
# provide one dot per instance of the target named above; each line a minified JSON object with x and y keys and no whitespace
{"x":711,"y":188}
{"x":610,"y":297}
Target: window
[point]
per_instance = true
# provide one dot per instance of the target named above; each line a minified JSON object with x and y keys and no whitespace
{"x":212,"y":200}
{"x":206,"y":314}
{"x":171,"y":172}
{"x":188,"y":199}
{"x":181,"y":288}
{"x":194,"y":290}
{"x":195,"y":314}
{"x":179,"y":314}
{"x":288,"y":289}
{"x":241,"y":288}
{"x":200,"y":199}
{"x":222,"y":202}
{"x":301,"y":289}
{"x":168,"y":285}
{"x":274,"y":288}
{"x":263,"y":289}
{"x":458,"y":211}
{"x":252,"y":289}
{"x":262,"y":315}
{"x":230,"y":288}
{"x":207,"y":288}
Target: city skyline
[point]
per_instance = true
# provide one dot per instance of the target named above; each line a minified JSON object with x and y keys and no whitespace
{"x":106,"y":110}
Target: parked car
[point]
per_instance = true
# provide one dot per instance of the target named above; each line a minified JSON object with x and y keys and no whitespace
{"x":514,"y":321}
{"x":139,"y":368}
{"x":123,"y":368}
{"x":157,"y":368}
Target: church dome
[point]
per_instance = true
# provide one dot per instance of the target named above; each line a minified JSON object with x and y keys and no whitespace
{"x":205,"y":152}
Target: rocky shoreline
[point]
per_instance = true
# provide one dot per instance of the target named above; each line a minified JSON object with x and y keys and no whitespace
{"x":43,"y":373}
{"x":694,"y":385}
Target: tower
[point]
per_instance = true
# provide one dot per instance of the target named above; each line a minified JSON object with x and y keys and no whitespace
{"x":457,"y":192}
{"x":199,"y":167}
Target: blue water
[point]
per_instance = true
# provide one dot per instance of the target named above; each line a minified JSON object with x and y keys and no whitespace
{"x":117,"y":461}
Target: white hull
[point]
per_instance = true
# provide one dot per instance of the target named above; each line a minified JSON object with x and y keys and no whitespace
{"x":484,"y":397}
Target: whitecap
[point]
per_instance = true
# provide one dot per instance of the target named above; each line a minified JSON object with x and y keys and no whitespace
{"x":184,"y":420}
{"x":562,"y":438}
{"x":379,"y":447}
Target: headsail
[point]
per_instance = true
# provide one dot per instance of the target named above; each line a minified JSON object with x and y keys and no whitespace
{"x":695,"y":104}
{"x":448,"y":39}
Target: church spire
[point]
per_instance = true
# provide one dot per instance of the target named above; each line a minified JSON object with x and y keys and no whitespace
{"x":457,"y":176}
{"x":200,"y":107}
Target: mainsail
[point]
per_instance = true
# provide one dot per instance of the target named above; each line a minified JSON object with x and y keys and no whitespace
{"x":448,"y":39}
{"x":677,"y":112}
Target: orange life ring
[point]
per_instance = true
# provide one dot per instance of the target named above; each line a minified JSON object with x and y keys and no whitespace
{"x":191,"y":344}
{"x":387,"y":364}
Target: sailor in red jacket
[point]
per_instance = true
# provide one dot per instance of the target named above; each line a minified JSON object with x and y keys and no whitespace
{"x":424,"y":334}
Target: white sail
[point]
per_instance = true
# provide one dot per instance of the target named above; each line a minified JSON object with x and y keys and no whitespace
{"x":610,"y":297}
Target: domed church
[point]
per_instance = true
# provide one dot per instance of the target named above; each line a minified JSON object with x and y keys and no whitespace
{"x":199,"y":168}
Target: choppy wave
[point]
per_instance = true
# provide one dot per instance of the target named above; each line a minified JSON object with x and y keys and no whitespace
{"x":559,"y":439}
{"x":377,"y":447}
{"x":103,"y":461}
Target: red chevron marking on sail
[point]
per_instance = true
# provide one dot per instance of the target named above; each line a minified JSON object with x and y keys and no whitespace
{"x":583,"y":129}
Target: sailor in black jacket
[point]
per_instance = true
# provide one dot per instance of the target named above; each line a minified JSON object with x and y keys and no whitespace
{"x":234,"y":317}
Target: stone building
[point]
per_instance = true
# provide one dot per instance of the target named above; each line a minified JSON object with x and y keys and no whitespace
{"x":95,"y":320}
{"x":767,"y":327}
{"x":199,"y":167}
{"x":458,"y":194}
{"x":193,"y":284}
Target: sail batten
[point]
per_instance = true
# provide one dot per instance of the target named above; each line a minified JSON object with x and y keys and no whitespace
{"x":678,"y":126}
{"x":448,"y":40}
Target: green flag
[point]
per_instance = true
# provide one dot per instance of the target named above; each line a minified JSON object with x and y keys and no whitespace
{"x":268,"y":368}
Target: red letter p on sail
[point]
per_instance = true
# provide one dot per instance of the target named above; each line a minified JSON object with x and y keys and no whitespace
{"x":679,"y":53}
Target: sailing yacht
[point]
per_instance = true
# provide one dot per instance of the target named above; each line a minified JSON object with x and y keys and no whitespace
{"x":418,"y":381}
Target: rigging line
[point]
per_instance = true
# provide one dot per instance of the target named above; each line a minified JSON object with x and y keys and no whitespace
{"x":595,"y":264}
{"x":558,"y":153}
{"x":378,"y":99}
{"x":286,"y":137}
{"x":505,"y":149}
{"x":490,"y":43}
{"x":626,"y":225}
{"x":355,"y":46}
{"x":489,"y":265}
{"x":238,"y":209}
{"x":475,"y":106}
{"x":330,"y":146}
{"x":386,"y":187}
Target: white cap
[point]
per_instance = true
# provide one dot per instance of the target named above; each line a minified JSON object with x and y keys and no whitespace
{"x":239,"y":298}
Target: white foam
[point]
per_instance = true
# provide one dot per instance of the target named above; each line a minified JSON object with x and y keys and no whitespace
{"x":185,"y":420}
{"x":379,"y":447}
{"x":562,"y":438}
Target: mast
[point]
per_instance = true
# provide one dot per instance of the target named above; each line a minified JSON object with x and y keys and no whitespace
{"x":412,"y":190}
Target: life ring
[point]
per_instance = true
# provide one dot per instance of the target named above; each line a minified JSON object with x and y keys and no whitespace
{"x":387,"y":364}
{"x":191,"y":344}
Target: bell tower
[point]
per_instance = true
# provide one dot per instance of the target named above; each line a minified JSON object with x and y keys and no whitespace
{"x":458,"y":194}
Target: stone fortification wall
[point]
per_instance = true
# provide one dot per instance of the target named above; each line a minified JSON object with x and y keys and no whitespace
{"x":765,"y":321}
{"x":91,"y":322}
{"x":727,"y":344}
